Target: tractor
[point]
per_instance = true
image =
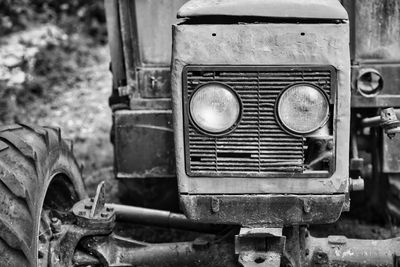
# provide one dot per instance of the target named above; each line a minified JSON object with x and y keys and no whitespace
{"x":254,"y":118}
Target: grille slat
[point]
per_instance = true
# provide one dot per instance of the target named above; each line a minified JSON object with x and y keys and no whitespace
{"x":258,"y":145}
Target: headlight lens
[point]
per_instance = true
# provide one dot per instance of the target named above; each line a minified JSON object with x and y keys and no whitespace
{"x":303,"y":108}
{"x":369,"y":82}
{"x":215,"y":108}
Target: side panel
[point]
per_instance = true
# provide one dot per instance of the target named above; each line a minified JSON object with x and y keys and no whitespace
{"x":375,"y":29}
{"x":144,"y":144}
{"x":264,"y":44}
{"x":375,"y":43}
{"x":154,"y":20}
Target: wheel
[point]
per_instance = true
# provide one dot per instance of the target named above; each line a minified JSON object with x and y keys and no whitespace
{"x":38,"y":175}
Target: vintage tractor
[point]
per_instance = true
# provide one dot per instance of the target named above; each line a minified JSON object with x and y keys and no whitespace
{"x":268,"y":115}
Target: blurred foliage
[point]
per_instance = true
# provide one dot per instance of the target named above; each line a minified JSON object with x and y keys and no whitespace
{"x":85,"y":16}
{"x":45,"y":48}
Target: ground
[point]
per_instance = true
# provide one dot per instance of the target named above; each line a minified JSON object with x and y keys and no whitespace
{"x":52,"y":73}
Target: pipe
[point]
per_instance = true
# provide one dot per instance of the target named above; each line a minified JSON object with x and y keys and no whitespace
{"x":375,"y":121}
{"x":342,"y":251}
{"x":138,"y":215}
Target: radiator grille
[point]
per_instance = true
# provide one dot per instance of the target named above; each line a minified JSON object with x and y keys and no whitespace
{"x":258,"y":146}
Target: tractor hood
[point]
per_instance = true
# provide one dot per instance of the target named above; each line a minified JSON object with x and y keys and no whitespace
{"x":285,"y":9}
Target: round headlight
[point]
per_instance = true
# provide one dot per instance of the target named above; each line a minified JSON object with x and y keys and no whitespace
{"x":369,"y":82}
{"x":215,"y":108}
{"x":303,"y":108}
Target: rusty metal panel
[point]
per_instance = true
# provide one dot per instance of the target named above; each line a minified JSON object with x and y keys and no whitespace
{"x":264,"y":44}
{"x":390,"y":154}
{"x":314,"y":9}
{"x":144,"y":145}
{"x":389,"y":95}
{"x":155,"y":82}
{"x":375,"y":29}
{"x":154,"y":20}
{"x":263,"y":210}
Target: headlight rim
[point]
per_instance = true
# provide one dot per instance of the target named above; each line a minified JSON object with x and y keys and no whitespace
{"x":230,"y":129}
{"x":296,"y":133}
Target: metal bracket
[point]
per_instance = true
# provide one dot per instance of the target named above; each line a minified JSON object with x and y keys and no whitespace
{"x":389,"y":122}
{"x":260,"y":246}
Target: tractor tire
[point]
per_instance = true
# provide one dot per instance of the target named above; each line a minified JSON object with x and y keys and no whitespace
{"x":37,"y":170}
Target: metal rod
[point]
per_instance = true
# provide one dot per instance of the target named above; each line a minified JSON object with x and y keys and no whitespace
{"x":114,"y":250}
{"x":376,"y":121}
{"x":138,"y":215}
{"x":342,"y":251}
{"x":354,"y":148}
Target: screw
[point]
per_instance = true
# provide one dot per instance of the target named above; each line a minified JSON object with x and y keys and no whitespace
{"x":54,"y":219}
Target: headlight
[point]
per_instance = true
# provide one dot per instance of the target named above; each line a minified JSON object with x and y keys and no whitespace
{"x":303,"y":108}
{"x":369,"y":82}
{"x":215,"y":108}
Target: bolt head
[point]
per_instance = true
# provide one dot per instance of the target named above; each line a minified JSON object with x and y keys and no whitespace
{"x":104,"y":215}
{"x":88,"y":207}
{"x":54,"y":220}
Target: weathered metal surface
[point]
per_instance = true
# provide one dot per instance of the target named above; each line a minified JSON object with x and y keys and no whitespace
{"x":150,"y":104}
{"x":393,"y":196}
{"x":341,"y":251}
{"x":154,"y":20}
{"x":64,"y":241}
{"x":260,"y":247}
{"x":264,"y":44}
{"x":114,"y":250}
{"x":388,"y":96}
{"x":314,"y":9}
{"x":141,"y":48}
{"x":263,"y":210}
{"x":154,"y":82}
{"x":138,"y":215}
{"x":390,"y":154}
{"x":375,"y":30}
{"x":375,"y":43}
{"x":144,"y":144}
{"x":98,"y":202}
